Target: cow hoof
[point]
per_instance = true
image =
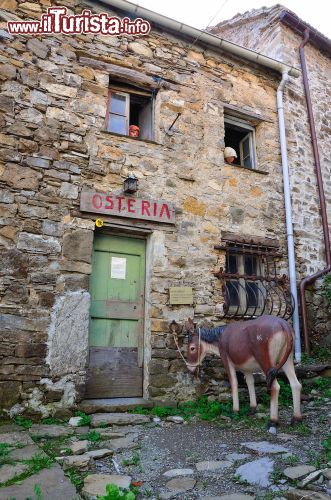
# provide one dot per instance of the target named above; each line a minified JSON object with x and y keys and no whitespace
{"x":273,"y":423}
{"x":296,"y":420}
{"x":252,"y":410}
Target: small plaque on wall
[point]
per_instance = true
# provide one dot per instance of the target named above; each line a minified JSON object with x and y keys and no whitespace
{"x":181,"y":295}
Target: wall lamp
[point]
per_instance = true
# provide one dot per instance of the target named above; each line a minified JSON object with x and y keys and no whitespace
{"x":130,"y":185}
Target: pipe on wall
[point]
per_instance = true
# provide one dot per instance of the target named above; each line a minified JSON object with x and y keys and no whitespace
{"x":310,"y":279}
{"x":288,"y":213}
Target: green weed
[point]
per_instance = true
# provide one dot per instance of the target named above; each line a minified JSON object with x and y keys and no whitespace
{"x":53,"y":446}
{"x":92,"y":436}
{"x":315,"y":459}
{"x":327,"y":447}
{"x":5,"y":449}
{"x":52,"y":421}
{"x":134,"y":460}
{"x":23,"y":422}
{"x":39,"y":462}
{"x":292,"y":460}
{"x":77,"y":478}
{"x":238,"y":479}
{"x":277,"y":475}
{"x":322,"y":419}
{"x":113,"y":492}
{"x":326,"y":288}
{"x":302,"y":429}
{"x":318,"y":354}
{"x":38,"y":493}
{"x":84,"y":419}
{"x":204,"y":409}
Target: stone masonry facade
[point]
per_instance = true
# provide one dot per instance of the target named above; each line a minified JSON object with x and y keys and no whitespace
{"x":261,"y":30}
{"x":53,"y":145}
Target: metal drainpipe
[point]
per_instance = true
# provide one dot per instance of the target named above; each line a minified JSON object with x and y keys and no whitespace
{"x":288,"y":212}
{"x":310,"y":279}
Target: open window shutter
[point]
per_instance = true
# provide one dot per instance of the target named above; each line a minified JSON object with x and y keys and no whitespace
{"x":145,"y":121}
{"x":246,"y":151}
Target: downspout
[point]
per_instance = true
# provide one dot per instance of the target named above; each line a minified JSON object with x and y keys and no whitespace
{"x":310,"y":279}
{"x":288,"y":212}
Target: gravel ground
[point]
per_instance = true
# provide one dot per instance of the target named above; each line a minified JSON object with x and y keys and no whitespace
{"x":165,"y":446}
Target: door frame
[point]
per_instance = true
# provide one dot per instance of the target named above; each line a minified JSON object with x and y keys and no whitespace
{"x":144,"y":234}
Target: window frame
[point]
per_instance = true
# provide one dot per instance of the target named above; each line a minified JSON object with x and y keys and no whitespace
{"x":242,"y":123}
{"x":127,"y":91}
{"x":127,"y":110}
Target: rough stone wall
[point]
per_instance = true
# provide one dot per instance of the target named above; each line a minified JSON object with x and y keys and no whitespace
{"x":261,"y":30}
{"x":53,"y":144}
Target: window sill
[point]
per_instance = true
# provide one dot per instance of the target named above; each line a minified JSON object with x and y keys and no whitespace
{"x":132,"y":138}
{"x":246,"y":168}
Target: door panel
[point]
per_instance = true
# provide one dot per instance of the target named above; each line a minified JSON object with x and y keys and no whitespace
{"x":117,"y":311}
{"x":113,"y":333}
{"x":114,"y":373}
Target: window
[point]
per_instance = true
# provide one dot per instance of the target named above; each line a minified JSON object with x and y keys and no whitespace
{"x":250,"y":283}
{"x":240,"y":136}
{"x":130,"y":107}
{"x":243,"y":293}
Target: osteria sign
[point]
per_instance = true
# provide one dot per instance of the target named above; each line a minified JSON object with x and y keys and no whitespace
{"x":127,"y":206}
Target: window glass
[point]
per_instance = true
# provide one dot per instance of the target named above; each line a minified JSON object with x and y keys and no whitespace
{"x":231,"y":264}
{"x":233,"y":292}
{"x":250,"y":265}
{"x":246,"y":153}
{"x":252,"y":294}
{"x":117,"y":104}
{"x":117,"y":124}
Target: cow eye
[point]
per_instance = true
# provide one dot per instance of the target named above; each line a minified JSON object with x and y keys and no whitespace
{"x":192,"y":348}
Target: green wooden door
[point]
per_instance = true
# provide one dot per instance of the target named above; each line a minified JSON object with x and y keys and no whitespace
{"x":117,"y":317}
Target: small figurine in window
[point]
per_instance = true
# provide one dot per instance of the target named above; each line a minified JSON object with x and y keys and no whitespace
{"x":230,"y":155}
{"x":134,"y":131}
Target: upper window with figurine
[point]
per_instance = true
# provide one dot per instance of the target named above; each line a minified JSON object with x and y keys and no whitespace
{"x":130,"y":112}
{"x":239,"y":143}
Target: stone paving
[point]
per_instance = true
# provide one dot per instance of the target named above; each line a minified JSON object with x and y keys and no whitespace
{"x":163,"y":459}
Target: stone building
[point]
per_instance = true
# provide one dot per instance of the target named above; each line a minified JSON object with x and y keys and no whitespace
{"x":278,"y":33}
{"x":92,"y":276}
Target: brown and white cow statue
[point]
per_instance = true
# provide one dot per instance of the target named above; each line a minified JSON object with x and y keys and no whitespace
{"x":263,"y":344}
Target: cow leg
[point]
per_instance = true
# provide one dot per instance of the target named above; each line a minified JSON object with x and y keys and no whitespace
{"x":295,"y":387}
{"x":274,"y":402}
{"x":230,"y":369}
{"x":251,"y":390}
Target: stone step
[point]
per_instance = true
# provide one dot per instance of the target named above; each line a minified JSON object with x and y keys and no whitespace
{"x":112,"y":405}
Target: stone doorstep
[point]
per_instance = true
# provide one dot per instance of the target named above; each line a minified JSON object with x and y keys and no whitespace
{"x":113,"y":405}
{"x":118,"y":419}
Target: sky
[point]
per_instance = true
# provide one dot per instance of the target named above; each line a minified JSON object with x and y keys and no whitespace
{"x":199,"y":13}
